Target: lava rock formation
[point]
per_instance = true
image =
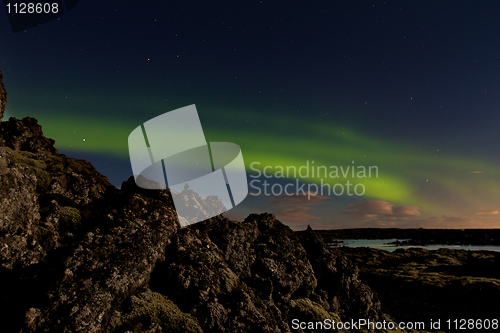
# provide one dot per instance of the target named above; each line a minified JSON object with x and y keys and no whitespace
{"x":79,"y":255}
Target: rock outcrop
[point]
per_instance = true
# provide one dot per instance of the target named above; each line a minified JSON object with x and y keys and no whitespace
{"x":3,"y":97}
{"x":79,"y":255}
{"x":441,"y":283}
{"x":44,"y":195}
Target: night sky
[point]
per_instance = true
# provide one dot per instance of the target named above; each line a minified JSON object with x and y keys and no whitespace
{"x":412,"y":87}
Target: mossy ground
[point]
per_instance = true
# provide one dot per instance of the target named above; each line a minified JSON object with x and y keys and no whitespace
{"x":149,"y":310}
{"x":39,"y":167}
{"x":306,"y":310}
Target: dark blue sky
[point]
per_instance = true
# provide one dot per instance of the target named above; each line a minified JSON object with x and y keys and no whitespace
{"x":413,"y":87}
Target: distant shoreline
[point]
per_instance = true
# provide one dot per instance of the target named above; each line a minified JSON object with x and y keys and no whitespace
{"x":417,"y":236}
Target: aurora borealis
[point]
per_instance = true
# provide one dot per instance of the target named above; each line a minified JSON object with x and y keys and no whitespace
{"x":412,"y":88}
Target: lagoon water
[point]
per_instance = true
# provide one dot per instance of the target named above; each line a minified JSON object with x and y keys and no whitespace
{"x":382,"y":244}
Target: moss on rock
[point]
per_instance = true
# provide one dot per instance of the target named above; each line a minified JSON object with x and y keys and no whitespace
{"x":70,"y":218}
{"x":153,"y":311}
{"x":39,"y":167}
{"x":306,"y":310}
{"x":230,"y":279}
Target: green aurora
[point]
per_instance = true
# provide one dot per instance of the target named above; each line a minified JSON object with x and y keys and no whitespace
{"x":409,"y":174}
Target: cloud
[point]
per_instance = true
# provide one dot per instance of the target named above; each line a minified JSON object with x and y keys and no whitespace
{"x":495,"y":212}
{"x":296,"y":211}
{"x":404,"y":217}
{"x":381,"y":213}
{"x":407,"y":211}
{"x":489,"y":221}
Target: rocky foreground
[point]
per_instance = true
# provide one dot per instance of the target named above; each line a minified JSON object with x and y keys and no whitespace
{"x":447,"y":284}
{"x":3,"y":96}
{"x":79,"y":255}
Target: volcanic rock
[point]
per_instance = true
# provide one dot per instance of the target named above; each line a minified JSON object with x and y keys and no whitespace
{"x":3,"y":97}
{"x":79,"y":255}
{"x":442,"y":283}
